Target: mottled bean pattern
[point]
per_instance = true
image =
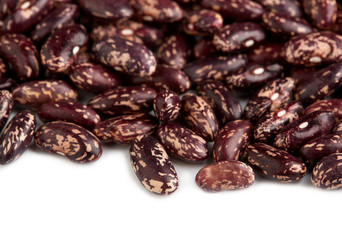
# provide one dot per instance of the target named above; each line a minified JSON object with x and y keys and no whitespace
{"x":166,"y":105}
{"x":333,"y":105}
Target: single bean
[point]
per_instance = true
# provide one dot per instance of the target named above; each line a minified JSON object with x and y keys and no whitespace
{"x":166,"y":105}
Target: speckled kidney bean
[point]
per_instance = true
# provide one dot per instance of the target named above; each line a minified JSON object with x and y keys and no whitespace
{"x":254,"y":76}
{"x":60,"y":49}
{"x":182,"y":142}
{"x":20,"y":52}
{"x":238,"y":36}
{"x":107,"y":9}
{"x":6,"y":105}
{"x":327,"y":174}
{"x":287,"y":7}
{"x":304,"y":129}
{"x":124,"y":100}
{"x":62,"y":15}
{"x":226,"y":106}
{"x":70,"y":140}
{"x":199,"y":116}
{"x":100,"y":32}
{"x":3,"y":69}
{"x":322,"y":13}
{"x":26,"y":14}
{"x":34,"y":93}
{"x":313,"y":151}
{"x":17,"y":136}
{"x":78,"y":113}
{"x":302,"y":73}
{"x":152,"y":165}
{"x":285,"y":25}
{"x":232,"y":140}
{"x":333,"y":105}
{"x":124,"y":129}
{"x":166,"y":105}
{"x":271,"y":97}
{"x":125,"y":56}
{"x":203,"y":48}
{"x":204,"y":22}
{"x":319,"y":86}
{"x":93,"y":78}
{"x":174,"y":51}
{"x":162,"y":11}
{"x":227,"y":175}
{"x":274,"y":164}
{"x":267,"y":52}
{"x":238,"y":10}
{"x":313,"y":49}
{"x":215,"y":67}
{"x":270,"y":124}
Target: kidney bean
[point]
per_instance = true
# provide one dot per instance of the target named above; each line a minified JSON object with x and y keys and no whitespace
{"x":322,"y":13}
{"x":60,"y":49}
{"x":203,"y":48}
{"x":3,"y":68}
{"x":271,"y":97}
{"x":152,"y":165}
{"x":166,"y":105}
{"x":107,"y":9}
{"x":34,"y":93}
{"x":302,"y":73}
{"x":232,"y":140}
{"x":214,"y":67}
{"x":174,"y":51}
{"x":108,"y":31}
{"x":286,"y":25}
{"x":323,"y":83}
{"x":238,"y":10}
{"x":270,"y":124}
{"x":124,"y":129}
{"x":226,"y":106}
{"x":304,"y":129}
{"x":20,"y":52}
{"x":93,"y":78}
{"x":290,"y":8}
{"x":162,"y":11}
{"x":77,"y":113}
{"x":238,"y":36}
{"x":124,"y":100}
{"x":199,"y":116}
{"x":227,"y":175}
{"x":6,"y":105}
{"x":204,"y":22}
{"x":267,"y":52}
{"x":59,"y":17}
{"x":338,"y":127}
{"x":254,"y":75}
{"x":313,"y":49}
{"x":17,"y":136}
{"x":26,"y":14}
{"x":125,"y":56}
{"x":6,"y":7}
{"x":333,"y":105}
{"x":327,"y":173}
{"x":70,"y":140}
{"x":274,"y":164}
{"x":182,"y":142}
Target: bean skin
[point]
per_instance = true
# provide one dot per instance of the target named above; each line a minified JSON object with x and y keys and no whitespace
{"x":203,"y":48}
{"x":227,"y":175}
{"x":6,"y":105}
{"x":204,"y":22}
{"x":166,"y":105}
{"x":290,"y":8}
{"x":333,"y":105}
{"x":267,"y":52}
{"x":152,"y":165}
{"x":323,"y":13}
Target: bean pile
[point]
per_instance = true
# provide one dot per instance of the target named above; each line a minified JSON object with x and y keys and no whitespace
{"x":167,"y":77}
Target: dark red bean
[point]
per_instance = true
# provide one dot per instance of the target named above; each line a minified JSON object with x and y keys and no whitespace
{"x":107,"y":31}
{"x":232,"y":141}
{"x":20,"y":52}
{"x":7,"y":84}
{"x":333,"y":105}
{"x":124,"y":100}
{"x":290,"y":8}
{"x":6,"y":7}
{"x":152,"y":165}
{"x":215,"y":67}
{"x":226,"y":106}
{"x":338,"y":127}
{"x":166,"y":105}
{"x":238,"y":36}
{"x":17,"y":136}
{"x":6,"y":105}
{"x":34,"y":93}
{"x":70,"y":140}
{"x":94,"y":78}
{"x":269,"y":125}
{"x":274,"y":164}
{"x":69,"y":112}
{"x":304,"y":129}
{"x":124,"y":129}
{"x":59,"y":17}
{"x":271,"y":97}
{"x":322,"y":13}
{"x":199,"y":116}
{"x":238,"y":10}
{"x":125,"y":56}
{"x":203,"y":22}
{"x":3,"y":69}
{"x":302,"y":73}
{"x":182,"y":142}
{"x":227,"y":175}
{"x":267,"y":52}
{"x":203,"y":48}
